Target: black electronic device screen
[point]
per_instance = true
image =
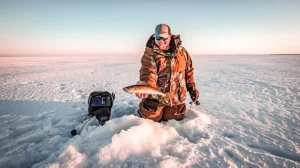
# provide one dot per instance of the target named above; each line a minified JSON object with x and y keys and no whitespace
{"x":98,"y":101}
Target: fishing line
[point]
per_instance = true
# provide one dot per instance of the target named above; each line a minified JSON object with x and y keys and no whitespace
{"x":85,"y":123}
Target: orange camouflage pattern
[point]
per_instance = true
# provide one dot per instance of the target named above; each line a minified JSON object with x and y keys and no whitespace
{"x":168,"y":72}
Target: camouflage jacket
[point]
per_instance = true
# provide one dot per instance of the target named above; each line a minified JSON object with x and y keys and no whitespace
{"x":168,"y":72}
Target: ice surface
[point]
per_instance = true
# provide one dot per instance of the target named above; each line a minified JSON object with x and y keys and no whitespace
{"x":249,"y":114}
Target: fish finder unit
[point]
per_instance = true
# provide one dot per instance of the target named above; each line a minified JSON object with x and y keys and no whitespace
{"x":100,"y":104}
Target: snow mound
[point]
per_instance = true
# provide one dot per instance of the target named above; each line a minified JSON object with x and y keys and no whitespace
{"x":126,"y":141}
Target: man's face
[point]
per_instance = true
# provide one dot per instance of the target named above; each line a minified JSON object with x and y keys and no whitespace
{"x":163,"y":44}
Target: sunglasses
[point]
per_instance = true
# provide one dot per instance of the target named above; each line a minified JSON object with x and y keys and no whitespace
{"x":163,"y":38}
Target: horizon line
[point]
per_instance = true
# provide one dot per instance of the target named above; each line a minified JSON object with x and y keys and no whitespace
{"x":111,"y":54}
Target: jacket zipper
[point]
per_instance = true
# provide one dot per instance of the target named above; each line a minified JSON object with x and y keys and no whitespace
{"x":171,"y":59}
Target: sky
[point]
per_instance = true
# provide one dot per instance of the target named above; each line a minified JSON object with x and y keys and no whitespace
{"x":73,"y":27}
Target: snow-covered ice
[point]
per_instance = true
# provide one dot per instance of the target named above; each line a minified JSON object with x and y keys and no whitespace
{"x":249,"y":114}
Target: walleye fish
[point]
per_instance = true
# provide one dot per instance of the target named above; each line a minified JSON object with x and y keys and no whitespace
{"x":148,"y":90}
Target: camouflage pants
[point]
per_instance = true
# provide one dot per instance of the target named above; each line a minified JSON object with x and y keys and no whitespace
{"x":152,"y":109}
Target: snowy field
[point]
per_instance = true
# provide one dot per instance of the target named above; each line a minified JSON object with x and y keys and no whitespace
{"x":253,"y":103}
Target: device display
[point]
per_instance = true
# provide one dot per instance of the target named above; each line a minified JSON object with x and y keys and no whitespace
{"x":100,"y":101}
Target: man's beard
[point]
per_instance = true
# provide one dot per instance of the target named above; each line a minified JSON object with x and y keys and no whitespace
{"x":164,"y":47}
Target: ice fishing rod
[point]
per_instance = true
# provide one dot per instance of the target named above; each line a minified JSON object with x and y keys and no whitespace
{"x":74,"y":132}
{"x":194,"y":102}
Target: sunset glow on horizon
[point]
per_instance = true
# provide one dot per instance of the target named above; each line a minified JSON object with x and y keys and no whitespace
{"x":119,"y":27}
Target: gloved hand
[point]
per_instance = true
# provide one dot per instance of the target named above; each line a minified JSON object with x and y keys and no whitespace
{"x":193,"y":91}
{"x":194,"y":94}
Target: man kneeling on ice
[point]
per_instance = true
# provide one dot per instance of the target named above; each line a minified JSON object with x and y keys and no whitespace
{"x":166,"y":66}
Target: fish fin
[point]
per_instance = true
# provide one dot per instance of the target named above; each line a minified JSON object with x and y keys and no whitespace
{"x":142,"y":83}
